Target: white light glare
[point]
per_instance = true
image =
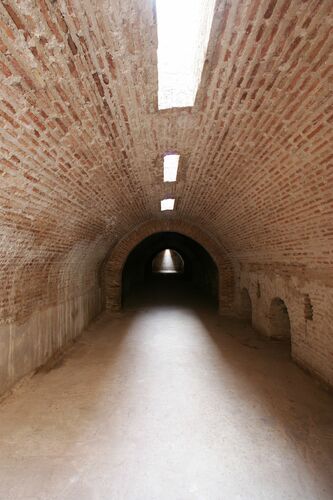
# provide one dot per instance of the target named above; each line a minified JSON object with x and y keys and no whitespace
{"x":170,"y":168}
{"x":183,"y":28}
{"x":167,"y":204}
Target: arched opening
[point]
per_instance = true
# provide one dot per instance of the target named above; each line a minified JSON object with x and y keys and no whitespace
{"x":246,"y":306}
{"x":168,"y":261}
{"x":279,"y":320}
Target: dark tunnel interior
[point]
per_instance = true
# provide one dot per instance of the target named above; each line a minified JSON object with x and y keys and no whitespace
{"x":168,"y":261}
{"x":196,"y":267}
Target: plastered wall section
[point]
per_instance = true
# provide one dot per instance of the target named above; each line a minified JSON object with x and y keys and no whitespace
{"x":26,"y":346}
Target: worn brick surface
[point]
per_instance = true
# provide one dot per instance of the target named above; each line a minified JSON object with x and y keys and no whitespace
{"x":82,"y":144}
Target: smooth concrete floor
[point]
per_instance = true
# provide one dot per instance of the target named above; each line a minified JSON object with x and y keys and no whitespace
{"x":168,"y":401}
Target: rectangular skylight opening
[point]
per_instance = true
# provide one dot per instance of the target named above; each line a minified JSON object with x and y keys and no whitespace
{"x":167,"y":204}
{"x":170,"y":168}
{"x":183,"y":28}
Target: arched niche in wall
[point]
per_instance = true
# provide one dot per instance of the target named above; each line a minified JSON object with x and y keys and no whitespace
{"x":279,"y":320}
{"x":112,"y":269}
{"x":246,"y":306}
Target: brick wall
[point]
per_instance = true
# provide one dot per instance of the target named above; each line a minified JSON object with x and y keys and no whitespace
{"x":82,"y":144}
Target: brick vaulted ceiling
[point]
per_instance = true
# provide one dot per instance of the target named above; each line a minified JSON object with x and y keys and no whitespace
{"x":82,"y":139}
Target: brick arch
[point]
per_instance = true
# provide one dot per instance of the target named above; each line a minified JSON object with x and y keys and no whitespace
{"x":116,"y":259}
